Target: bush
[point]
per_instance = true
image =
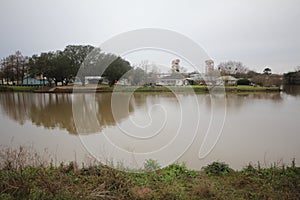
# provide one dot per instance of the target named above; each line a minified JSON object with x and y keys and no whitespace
{"x":181,"y":170}
{"x":243,"y":81}
{"x":218,"y":168}
{"x":151,"y":165}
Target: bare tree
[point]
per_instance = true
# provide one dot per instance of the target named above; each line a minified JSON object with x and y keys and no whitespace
{"x":297,"y":69}
{"x":144,"y":73}
{"x":13,"y":68}
{"x":17,"y":65}
{"x":4,"y":70}
{"x":232,"y":68}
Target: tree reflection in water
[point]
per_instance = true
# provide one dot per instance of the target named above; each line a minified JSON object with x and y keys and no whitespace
{"x":55,"y":110}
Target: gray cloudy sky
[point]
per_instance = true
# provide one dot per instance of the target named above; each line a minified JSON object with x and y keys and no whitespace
{"x":258,"y":33}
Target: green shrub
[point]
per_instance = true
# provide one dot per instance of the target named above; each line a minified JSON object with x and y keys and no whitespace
{"x":151,"y":165}
{"x":249,"y":170}
{"x":243,"y":81}
{"x":181,"y":170}
{"x":217,"y":168}
{"x":6,"y":196}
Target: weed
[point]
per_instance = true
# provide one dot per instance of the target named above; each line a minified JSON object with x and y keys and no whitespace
{"x":21,"y":178}
{"x":151,"y":165}
{"x":218,"y":168}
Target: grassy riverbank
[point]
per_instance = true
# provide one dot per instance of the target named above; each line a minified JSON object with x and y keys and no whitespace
{"x":106,"y":88}
{"x":11,"y":88}
{"x":42,"y":180}
{"x":192,"y":88}
{"x":173,"y":182}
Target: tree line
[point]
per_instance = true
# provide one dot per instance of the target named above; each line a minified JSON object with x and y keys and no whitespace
{"x":86,"y":60}
{"x":63,"y":66}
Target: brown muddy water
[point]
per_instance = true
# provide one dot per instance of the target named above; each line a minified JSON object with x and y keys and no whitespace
{"x":130,"y":128}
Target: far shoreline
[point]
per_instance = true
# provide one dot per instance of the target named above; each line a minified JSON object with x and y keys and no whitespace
{"x":118,"y":88}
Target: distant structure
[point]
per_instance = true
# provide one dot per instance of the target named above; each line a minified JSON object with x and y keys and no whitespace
{"x":175,"y":65}
{"x":209,"y":66}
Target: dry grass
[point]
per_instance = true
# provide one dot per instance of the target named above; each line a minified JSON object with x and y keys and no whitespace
{"x":26,"y":175}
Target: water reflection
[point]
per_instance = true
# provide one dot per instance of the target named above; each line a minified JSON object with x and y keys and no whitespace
{"x":258,"y":126}
{"x":55,"y":110}
{"x":293,"y":90}
{"x":237,"y":101}
{"x":93,"y":112}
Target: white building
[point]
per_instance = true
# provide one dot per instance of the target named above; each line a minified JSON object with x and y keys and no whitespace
{"x":226,"y":80}
{"x":173,"y":80}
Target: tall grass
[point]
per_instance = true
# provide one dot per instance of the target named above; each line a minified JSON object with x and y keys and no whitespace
{"x":24,"y":174}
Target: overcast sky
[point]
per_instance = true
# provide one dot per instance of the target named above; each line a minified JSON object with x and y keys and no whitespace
{"x":259,"y":33}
